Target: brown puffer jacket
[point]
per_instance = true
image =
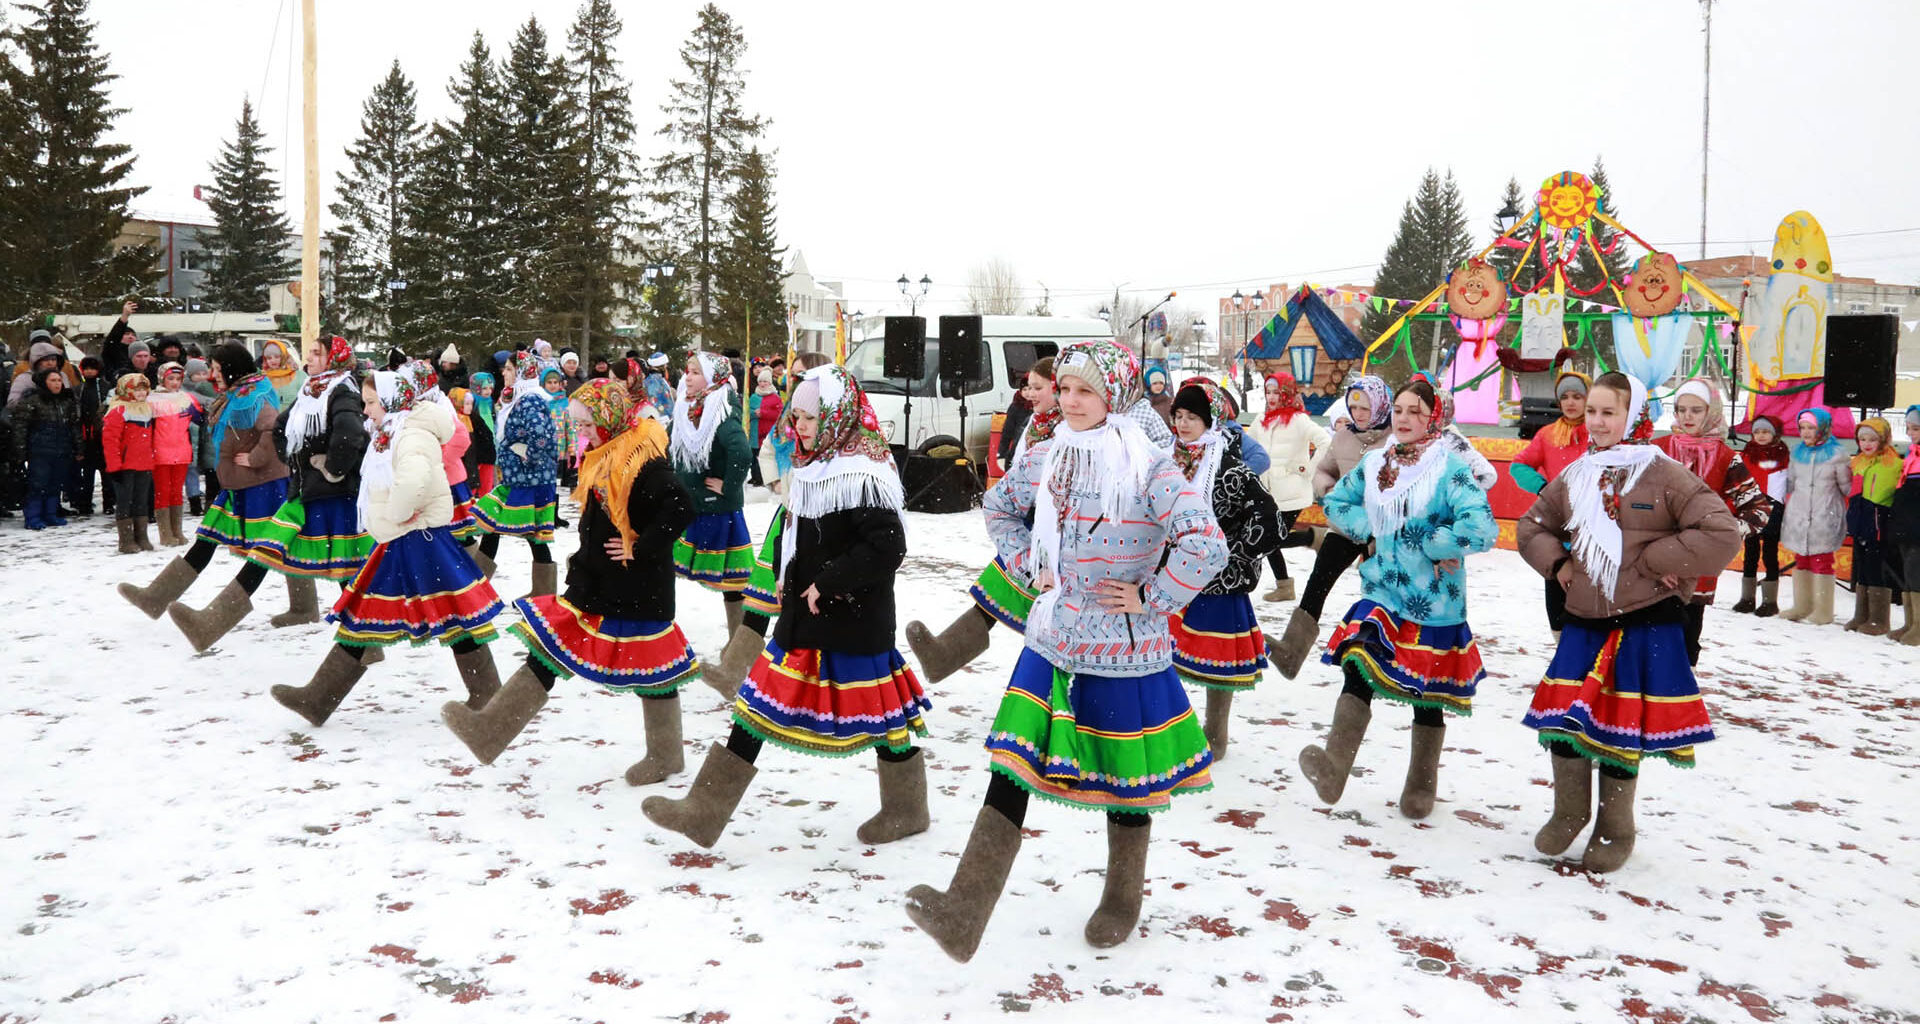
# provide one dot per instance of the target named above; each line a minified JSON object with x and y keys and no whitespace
{"x":1671,"y":524}
{"x":1343,"y":453}
{"x":265,"y":464}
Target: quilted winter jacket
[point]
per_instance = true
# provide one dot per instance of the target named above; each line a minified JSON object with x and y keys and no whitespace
{"x":1293,"y":447}
{"x":342,"y":446}
{"x":728,"y":461}
{"x":1342,"y":454}
{"x":420,"y":498}
{"x":1815,"y":519}
{"x":1168,"y":519}
{"x":1403,"y":575}
{"x":530,"y":423}
{"x":173,"y":416}
{"x":128,"y":443}
{"x":1671,"y":524}
{"x":265,"y":466}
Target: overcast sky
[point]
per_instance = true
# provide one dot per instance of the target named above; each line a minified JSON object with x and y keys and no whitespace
{"x":1198,"y":146}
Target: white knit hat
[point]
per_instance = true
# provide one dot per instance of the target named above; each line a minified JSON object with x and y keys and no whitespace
{"x":450,"y":354}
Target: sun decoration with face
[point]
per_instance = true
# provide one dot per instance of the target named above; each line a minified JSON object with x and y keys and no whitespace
{"x":1476,"y":290}
{"x":1654,"y":287}
{"x":1567,"y":200}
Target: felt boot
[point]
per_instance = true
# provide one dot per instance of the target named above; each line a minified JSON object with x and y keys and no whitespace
{"x":703,"y":813}
{"x":1803,"y":587}
{"x":957,"y":645}
{"x":481,"y":561}
{"x":903,"y":801}
{"x":140,"y":536}
{"x":1112,"y":922}
{"x":1572,"y":804}
{"x":957,"y":916}
{"x":1283,"y":590}
{"x":161,"y":527}
{"x":205,"y":627}
{"x":1910,"y":636}
{"x":1822,"y":601}
{"x":1612,"y":840}
{"x":303,"y":604}
{"x":727,"y":673}
{"x":316,"y":701}
{"x":1862,"y":609}
{"x":1219,"y":716}
{"x":165,"y":589}
{"x":545,"y":576}
{"x":1745,"y":605}
{"x":1291,"y":650}
{"x":665,"y":755}
{"x":1327,"y":768}
{"x":1879,"y":611}
{"x":1423,"y":771}
{"x":174,"y":524}
{"x":736,"y":614}
{"x":128,"y":546}
{"x":1769,"y":599}
{"x":481,"y":676}
{"x":487,"y":732}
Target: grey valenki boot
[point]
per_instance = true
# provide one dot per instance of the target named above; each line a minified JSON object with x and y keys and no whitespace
{"x":903,"y":801}
{"x":1612,"y":840}
{"x":957,"y":916}
{"x":963,"y":640}
{"x":546,"y":576}
{"x":205,"y":627}
{"x":710,"y":802}
{"x":1572,"y":804}
{"x":303,"y":604}
{"x":736,"y":660}
{"x":331,"y":683}
{"x":1219,"y":718}
{"x":1283,"y":590}
{"x":128,"y":546}
{"x":1327,"y":768}
{"x":665,"y":754}
{"x":165,"y":589}
{"x":140,"y":535}
{"x":1910,"y":636}
{"x":1769,"y":599}
{"x":1423,"y":771}
{"x":1879,"y":611}
{"x":481,"y":561}
{"x":1291,"y":650}
{"x":1112,"y":922}
{"x":179,"y":538}
{"x":480,"y":674}
{"x":1803,"y":588}
{"x":1862,"y":609}
{"x":488,"y":731}
{"x":1746,"y":604}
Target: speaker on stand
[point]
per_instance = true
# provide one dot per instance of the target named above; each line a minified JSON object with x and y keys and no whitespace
{"x":905,"y":357}
{"x":1860,"y":359}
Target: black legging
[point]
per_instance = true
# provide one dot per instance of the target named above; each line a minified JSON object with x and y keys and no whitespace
{"x":1611,"y":771}
{"x":1556,"y":605}
{"x":746,"y":746}
{"x":1765,"y":544}
{"x":1276,"y":558}
{"x":1690,"y":626}
{"x":1006,"y":796}
{"x":1337,"y":553}
{"x":464,"y":645}
{"x":1422,"y":714}
{"x":490,"y":547}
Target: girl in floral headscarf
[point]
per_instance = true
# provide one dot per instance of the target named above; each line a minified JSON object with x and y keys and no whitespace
{"x":418,"y":585}
{"x":525,"y":503}
{"x":1699,"y":442}
{"x":614,"y":624}
{"x":830,"y":682}
{"x":710,"y":452}
{"x":1114,"y":539}
{"x":1407,"y":637}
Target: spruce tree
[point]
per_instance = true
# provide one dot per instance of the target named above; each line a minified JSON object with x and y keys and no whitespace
{"x":534,"y":131}
{"x":480,"y":275}
{"x":1443,"y":223}
{"x":1401,"y":276}
{"x":1431,"y":240}
{"x":707,"y":132}
{"x":751,"y":271}
{"x":247,"y":249}
{"x":599,"y":227}
{"x":669,"y":326}
{"x":372,"y":210}
{"x":427,"y":314}
{"x":1507,"y":259}
{"x":65,"y":199}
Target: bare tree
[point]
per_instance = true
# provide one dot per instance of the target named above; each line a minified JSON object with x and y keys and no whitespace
{"x":993,"y":288}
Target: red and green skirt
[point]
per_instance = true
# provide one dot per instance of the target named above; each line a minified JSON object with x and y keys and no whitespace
{"x":1103,"y":743}
{"x":830,"y":703}
{"x":716,"y":551}
{"x":417,"y":588}
{"x":241,"y":519}
{"x":1217,"y":643}
{"x":519,"y":511}
{"x":319,"y":539}
{"x":1622,"y":696}
{"x":626,"y":655}
{"x":464,"y":524}
{"x":763,"y":587}
{"x":1425,"y":666}
{"x":999,"y":596}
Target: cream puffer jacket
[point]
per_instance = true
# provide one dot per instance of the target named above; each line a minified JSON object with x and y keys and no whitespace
{"x":420,"y":498}
{"x":1293,"y":447}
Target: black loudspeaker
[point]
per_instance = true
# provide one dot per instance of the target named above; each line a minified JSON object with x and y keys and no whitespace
{"x":1536,"y":413}
{"x":962,"y":359}
{"x":1860,"y":355}
{"x":905,"y":357}
{"x":939,"y":486}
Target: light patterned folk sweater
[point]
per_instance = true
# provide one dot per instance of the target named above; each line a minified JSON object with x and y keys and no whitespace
{"x":1170,"y":517}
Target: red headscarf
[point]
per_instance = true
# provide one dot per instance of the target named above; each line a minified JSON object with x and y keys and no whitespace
{"x":1289,"y":404}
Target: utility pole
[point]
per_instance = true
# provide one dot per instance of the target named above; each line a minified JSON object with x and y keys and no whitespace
{"x":310,"y":221}
{"x":1706,"y":115}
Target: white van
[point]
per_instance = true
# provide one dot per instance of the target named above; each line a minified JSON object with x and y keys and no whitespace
{"x":1012,"y":345}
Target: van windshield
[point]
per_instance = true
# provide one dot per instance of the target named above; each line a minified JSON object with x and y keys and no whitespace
{"x":867,"y":363}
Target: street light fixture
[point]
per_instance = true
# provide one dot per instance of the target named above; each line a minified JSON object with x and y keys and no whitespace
{"x":913,"y":301}
{"x":1508,"y":216}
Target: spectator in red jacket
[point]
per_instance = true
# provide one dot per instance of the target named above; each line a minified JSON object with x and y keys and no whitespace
{"x":127,"y":437}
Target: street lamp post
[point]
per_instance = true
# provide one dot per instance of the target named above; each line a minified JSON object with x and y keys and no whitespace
{"x":913,"y":300}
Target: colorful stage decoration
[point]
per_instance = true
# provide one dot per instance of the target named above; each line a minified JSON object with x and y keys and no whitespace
{"x":1787,"y":355}
{"x":1343,"y":348}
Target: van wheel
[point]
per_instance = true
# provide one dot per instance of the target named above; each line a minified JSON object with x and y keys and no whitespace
{"x":939,"y":441}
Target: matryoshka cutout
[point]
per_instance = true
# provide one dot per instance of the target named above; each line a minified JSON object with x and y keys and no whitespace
{"x":1654,"y":287}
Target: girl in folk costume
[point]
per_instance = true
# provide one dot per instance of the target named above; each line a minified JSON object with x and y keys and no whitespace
{"x":1765,"y":458}
{"x":1698,"y":442}
{"x":283,"y":371}
{"x":253,"y":486}
{"x":1903,"y":533}
{"x":316,"y":534}
{"x":127,"y":438}
{"x":1407,"y":637}
{"x":1819,"y":481}
{"x":709,"y":452}
{"x":1876,"y":476}
{"x":554,"y":382}
{"x":614,"y":624}
{"x":762,"y":594}
{"x":453,"y":458}
{"x":525,"y":503}
{"x":1216,"y":640}
{"x":481,"y":455}
{"x":176,"y":411}
{"x":1555,"y":447}
{"x":1362,"y":423}
{"x":1293,"y":440}
{"x":417,"y":584}
{"x":1628,"y":532}
{"x":830,"y":682}
{"x":997,"y":597}
{"x":1094,"y":716}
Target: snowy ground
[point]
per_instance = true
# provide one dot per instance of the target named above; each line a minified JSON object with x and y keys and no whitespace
{"x":175,"y":849}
